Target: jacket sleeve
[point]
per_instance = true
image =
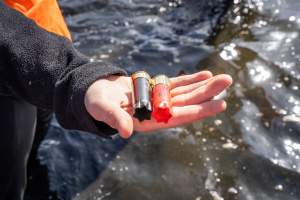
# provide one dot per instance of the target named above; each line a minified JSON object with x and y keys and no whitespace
{"x":47,"y":71}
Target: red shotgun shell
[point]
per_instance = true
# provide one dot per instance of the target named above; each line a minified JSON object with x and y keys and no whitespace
{"x":161,"y":99}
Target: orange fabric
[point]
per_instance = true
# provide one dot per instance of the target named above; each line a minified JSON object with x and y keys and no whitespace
{"x":45,"y":13}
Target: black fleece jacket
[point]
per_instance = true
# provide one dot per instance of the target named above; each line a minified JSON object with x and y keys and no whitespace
{"x":47,"y":71}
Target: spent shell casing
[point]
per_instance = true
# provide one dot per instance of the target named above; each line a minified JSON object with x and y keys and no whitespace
{"x":161,"y":97}
{"x":142,"y":95}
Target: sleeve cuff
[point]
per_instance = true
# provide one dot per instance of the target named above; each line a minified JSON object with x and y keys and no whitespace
{"x":73,"y":114}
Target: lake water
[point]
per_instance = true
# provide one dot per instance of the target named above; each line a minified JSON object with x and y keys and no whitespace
{"x":250,"y":152}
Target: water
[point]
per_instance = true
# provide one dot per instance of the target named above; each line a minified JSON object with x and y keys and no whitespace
{"x":250,"y":152}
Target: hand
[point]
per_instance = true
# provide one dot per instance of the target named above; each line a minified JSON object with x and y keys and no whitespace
{"x":110,"y":100}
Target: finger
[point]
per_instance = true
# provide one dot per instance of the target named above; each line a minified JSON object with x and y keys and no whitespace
{"x":125,"y":99}
{"x":185,"y":115}
{"x":214,"y":86}
{"x":128,"y":109}
{"x":118,"y":118}
{"x":189,"y":79}
{"x":187,"y":88}
{"x":126,"y":92}
{"x":192,"y":113}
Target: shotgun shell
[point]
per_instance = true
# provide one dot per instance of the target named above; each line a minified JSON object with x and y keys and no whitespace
{"x":142,"y":91}
{"x":161,"y":97}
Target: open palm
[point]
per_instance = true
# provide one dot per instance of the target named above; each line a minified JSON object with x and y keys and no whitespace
{"x":110,"y":100}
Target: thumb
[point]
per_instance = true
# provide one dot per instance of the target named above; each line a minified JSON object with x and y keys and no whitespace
{"x":119,"y":119}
